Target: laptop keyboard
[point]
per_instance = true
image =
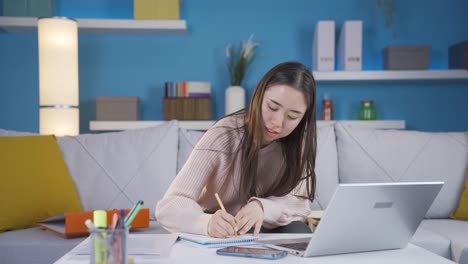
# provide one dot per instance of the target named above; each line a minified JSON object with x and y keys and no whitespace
{"x":296,"y":246}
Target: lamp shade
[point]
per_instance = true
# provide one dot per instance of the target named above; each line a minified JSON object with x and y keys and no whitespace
{"x":59,"y":121}
{"x":58,"y":76}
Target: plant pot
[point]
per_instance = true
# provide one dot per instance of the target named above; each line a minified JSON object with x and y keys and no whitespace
{"x":234,"y":99}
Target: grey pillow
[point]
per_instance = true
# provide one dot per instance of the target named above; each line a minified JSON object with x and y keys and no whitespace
{"x":114,"y":170}
{"x":373,"y":155}
{"x":326,"y":167}
{"x":187,"y":141}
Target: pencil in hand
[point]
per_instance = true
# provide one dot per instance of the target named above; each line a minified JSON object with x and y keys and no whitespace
{"x":224,"y":209}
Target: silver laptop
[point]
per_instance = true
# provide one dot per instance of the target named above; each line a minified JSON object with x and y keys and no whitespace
{"x":366,"y":217}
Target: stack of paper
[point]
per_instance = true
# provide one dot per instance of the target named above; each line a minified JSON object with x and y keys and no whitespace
{"x":350,"y":46}
{"x":323,"y":46}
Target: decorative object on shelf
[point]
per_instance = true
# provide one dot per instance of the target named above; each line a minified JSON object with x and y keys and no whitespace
{"x":117,"y":108}
{"x":367,"y":110}
{"x":327,"y":108}
{"x":234,"y":99}
{"x":323,"y":46}
{"x":387,"y":8}
{"x":238,"y":63}
{"x":458,"y":55}
{"x":29,"y":8}
{"x":406,"y":57}
{"x":349,"y":53}
{"x":156,"y":9}
{"x":187,"y":108}
{"x":58,"y":76}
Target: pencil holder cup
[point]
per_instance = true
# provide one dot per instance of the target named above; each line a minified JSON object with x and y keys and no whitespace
{"x":109,"y":246}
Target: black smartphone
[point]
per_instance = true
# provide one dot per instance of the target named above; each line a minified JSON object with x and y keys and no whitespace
{"x":252,"y":252}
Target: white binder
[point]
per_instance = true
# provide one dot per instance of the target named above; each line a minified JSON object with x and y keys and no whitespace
{"x":323,"y":46}
{"x":350,"y":46}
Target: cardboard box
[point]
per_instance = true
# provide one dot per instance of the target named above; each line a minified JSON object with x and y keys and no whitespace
{"x":406,"y":57}
{"x":29,"y":8}
{"x":156,"y":9}
{"x":458,"y":56}
{"x":116,"y":108}
{"x":187,"y":108}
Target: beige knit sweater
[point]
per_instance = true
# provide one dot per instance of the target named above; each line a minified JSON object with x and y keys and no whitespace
{"x":189,"y":202}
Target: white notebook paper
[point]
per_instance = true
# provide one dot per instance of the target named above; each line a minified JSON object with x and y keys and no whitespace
{"x":219,"y":242}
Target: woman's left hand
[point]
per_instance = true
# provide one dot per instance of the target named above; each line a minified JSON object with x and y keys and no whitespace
{"x":251,"y":215}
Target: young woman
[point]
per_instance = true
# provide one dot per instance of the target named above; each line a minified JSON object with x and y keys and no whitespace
{"x":260,"y":161}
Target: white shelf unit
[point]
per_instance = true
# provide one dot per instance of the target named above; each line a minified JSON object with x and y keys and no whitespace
{"x":407,"y":75}
{"x":204,"y":125}
{"x":29,"y":24}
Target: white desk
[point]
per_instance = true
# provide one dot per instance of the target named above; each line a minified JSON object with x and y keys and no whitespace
{"x":186,"y":252}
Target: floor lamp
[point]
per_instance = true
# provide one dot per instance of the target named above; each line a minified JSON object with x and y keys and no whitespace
{"x":58,"y":76}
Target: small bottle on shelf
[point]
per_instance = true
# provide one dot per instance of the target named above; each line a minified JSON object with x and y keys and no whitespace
{"x":367,"y":110}
{"x":327,"y":107}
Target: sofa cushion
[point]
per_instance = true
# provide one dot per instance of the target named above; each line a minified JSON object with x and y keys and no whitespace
{"x":326,"y":167}
{"x":36,"y":184}
{"x":187,"y":140}
{"x":454,"y":230}
{"x":114,"y":170}
{"x":34,"y":245}
{"x":372,"y":155}
{"x":432,"y":241}
{"x":461,"y":213}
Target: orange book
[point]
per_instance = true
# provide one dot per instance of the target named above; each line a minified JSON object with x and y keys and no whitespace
{"x":73,"y":224}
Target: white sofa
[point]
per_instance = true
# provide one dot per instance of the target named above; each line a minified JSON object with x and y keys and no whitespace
{"x":141,"y":163}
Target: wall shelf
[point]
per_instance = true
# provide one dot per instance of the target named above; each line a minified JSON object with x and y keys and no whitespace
{"x":204,"y":125}
{"x":29,"y":24}
{"x":409,"y":75}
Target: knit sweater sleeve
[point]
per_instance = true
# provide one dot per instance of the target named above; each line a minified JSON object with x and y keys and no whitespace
{"x":280,"y":211}
{"x":179,"y":210}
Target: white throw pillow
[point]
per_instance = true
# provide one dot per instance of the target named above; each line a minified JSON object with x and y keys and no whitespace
{"x":114,"y":170}
{"x":372,"y":155}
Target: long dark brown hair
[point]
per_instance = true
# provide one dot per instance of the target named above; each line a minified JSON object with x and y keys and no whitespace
{"x":299,"y":147}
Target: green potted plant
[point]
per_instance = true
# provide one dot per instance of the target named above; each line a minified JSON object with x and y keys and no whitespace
{"x":238,"y":62}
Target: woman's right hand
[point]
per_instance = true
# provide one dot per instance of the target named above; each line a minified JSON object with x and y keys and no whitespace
{"x":221,"y":225}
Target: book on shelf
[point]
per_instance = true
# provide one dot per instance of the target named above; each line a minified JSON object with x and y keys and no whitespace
{"x":187,"y":89}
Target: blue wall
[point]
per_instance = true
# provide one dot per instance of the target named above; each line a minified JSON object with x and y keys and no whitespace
{"x":138,"y":65}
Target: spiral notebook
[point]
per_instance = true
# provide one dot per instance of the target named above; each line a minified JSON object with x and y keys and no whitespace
{"x":212,"y":242}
